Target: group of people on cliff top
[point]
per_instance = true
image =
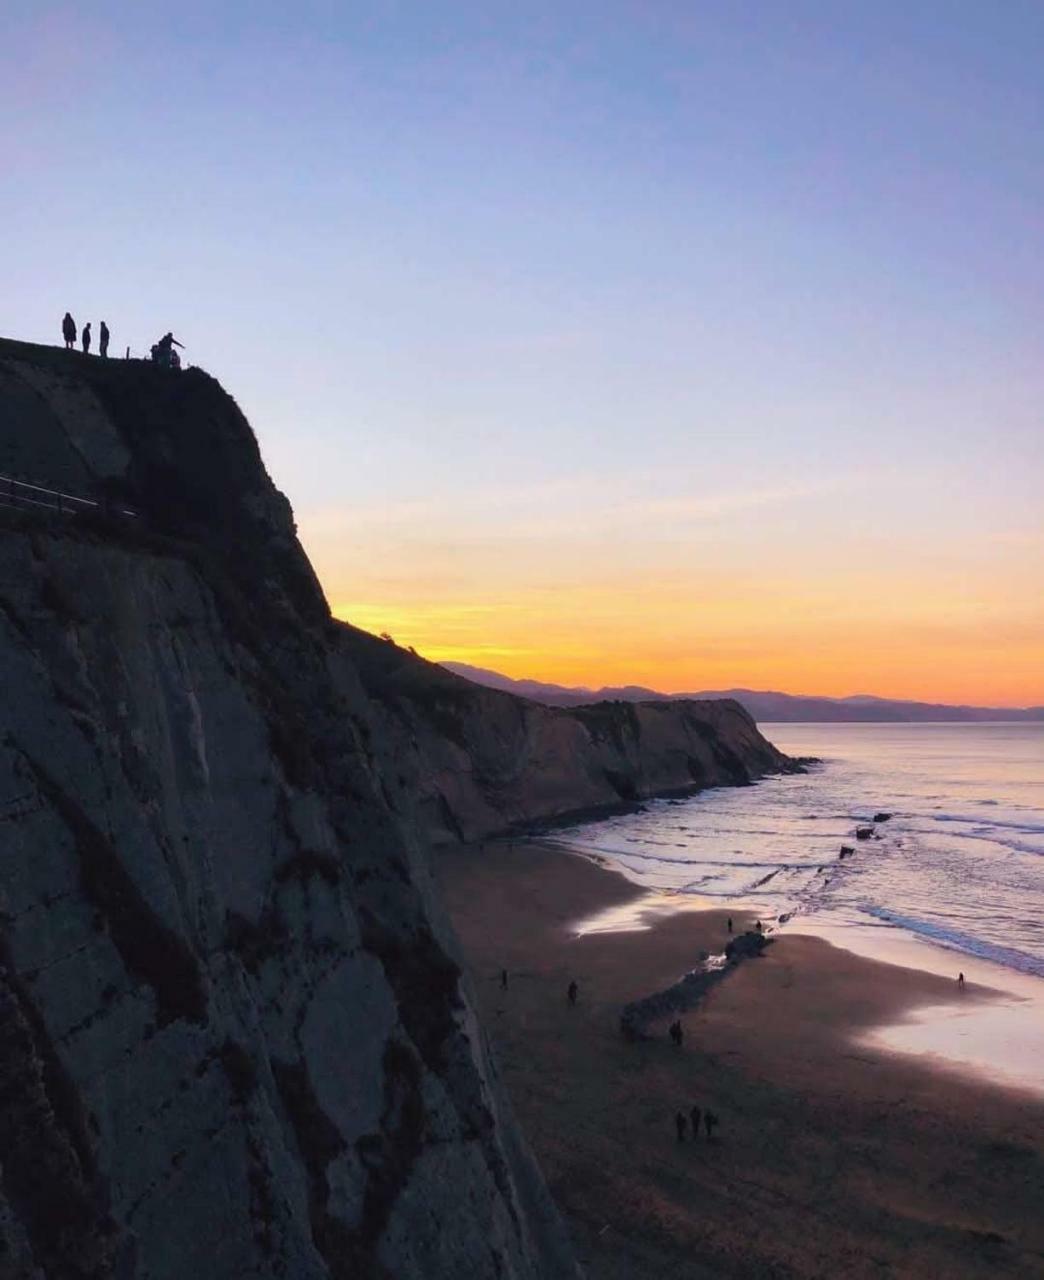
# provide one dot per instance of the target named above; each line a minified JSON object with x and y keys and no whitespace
{"x":162,"y":352}
{"x":69,"y":334}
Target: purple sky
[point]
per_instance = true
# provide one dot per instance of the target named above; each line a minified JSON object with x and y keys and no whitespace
{"x":686,"y":344}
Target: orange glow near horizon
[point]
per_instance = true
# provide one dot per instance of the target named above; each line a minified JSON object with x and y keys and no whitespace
{"x":588,"y":646}
{"x":724,"y":592}
{"x":889,"y":638}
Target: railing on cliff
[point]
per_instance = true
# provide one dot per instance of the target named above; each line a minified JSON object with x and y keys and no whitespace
{"x":23,"y":496}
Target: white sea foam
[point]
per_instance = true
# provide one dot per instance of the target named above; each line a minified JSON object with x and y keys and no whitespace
{"x":943,"y":886}
{"x":958,"y":862}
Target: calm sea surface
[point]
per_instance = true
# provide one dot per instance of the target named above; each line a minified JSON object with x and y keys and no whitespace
{"x":960,"y":863}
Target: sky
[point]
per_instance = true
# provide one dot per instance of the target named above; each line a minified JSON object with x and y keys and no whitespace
{"x":694,"y":345}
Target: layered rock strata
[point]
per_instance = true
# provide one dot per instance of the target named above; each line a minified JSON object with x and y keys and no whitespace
{"x":234,"y":1037}
{"x":234,"y":1040}
{"x":478,"y":762}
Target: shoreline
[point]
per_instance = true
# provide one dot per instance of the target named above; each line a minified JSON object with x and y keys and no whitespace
{"x":992,"y":1030}
{"x":895,"y":990}
{"x":830,"y":1151}
{"x":543,"y":830}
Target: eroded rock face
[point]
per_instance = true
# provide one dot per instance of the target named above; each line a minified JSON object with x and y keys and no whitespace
{"x":234,"y":1040}
{"x":475,"y":761}
{"x":233,"y":1037}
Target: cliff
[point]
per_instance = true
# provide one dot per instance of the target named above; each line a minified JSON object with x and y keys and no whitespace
{"x":234,"y":1039}
{"x":476,"y":761}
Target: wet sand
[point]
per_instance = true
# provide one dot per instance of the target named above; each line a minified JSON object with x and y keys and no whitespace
{"x":832,"y":1159}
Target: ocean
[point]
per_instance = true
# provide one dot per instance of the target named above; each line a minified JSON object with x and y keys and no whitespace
{"x":958,"y":867}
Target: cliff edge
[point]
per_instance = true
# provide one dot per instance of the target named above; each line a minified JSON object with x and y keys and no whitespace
{"x":234,"y":1039}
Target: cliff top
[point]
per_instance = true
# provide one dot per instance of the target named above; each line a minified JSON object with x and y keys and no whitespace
{"x":174,"y":444}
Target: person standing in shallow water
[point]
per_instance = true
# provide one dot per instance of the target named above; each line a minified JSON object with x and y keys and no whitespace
{"x":85,"y":338}
{"x":103,"y":340}
{"x":69,"y":331}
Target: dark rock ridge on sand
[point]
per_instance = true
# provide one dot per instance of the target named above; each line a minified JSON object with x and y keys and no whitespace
{"x":688,"y":991}
{"x":234,"y":1037}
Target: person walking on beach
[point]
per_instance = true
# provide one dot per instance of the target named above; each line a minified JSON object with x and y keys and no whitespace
{"x":85,"y":338}
{"x":103,"y":340}
{"x":730,"y":924}
{"x":69,"y":332}
{"x":710,"y":1120}
{"x":694,"y":1120}
{"x":572,"y":991}
{"x":679,"y":1124}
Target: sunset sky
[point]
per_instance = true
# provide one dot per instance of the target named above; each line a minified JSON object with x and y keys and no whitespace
{"x":690,"y":344}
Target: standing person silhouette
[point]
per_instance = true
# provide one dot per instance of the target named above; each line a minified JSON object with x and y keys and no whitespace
{"x":571,"y":992}
{"x":85,"y":338}
{"x":69,"y":332}
{"x":163,"y":352}
{"x":103,"y":340}
{"x":679,"y":1124}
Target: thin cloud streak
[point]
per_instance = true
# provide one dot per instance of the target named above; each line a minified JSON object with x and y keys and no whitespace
{"x":587,"y":503}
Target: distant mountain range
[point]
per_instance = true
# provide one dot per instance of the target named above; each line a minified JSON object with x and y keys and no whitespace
{"x":762,"y":705}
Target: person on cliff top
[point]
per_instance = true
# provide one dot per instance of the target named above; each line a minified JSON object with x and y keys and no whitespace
{"x":679,"y":1125}
{"x":572,"y":991}
{"x":163,"y":352}
{"x":85,"y":338}
{"x":103,"y":340}
{"x":69,"y":331}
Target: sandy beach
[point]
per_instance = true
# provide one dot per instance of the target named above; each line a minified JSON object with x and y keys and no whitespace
{"x":831,"y":1159}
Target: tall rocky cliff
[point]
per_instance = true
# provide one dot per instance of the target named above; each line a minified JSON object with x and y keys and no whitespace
{"x":477,"y":761}
{"x":234,"y":1040}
